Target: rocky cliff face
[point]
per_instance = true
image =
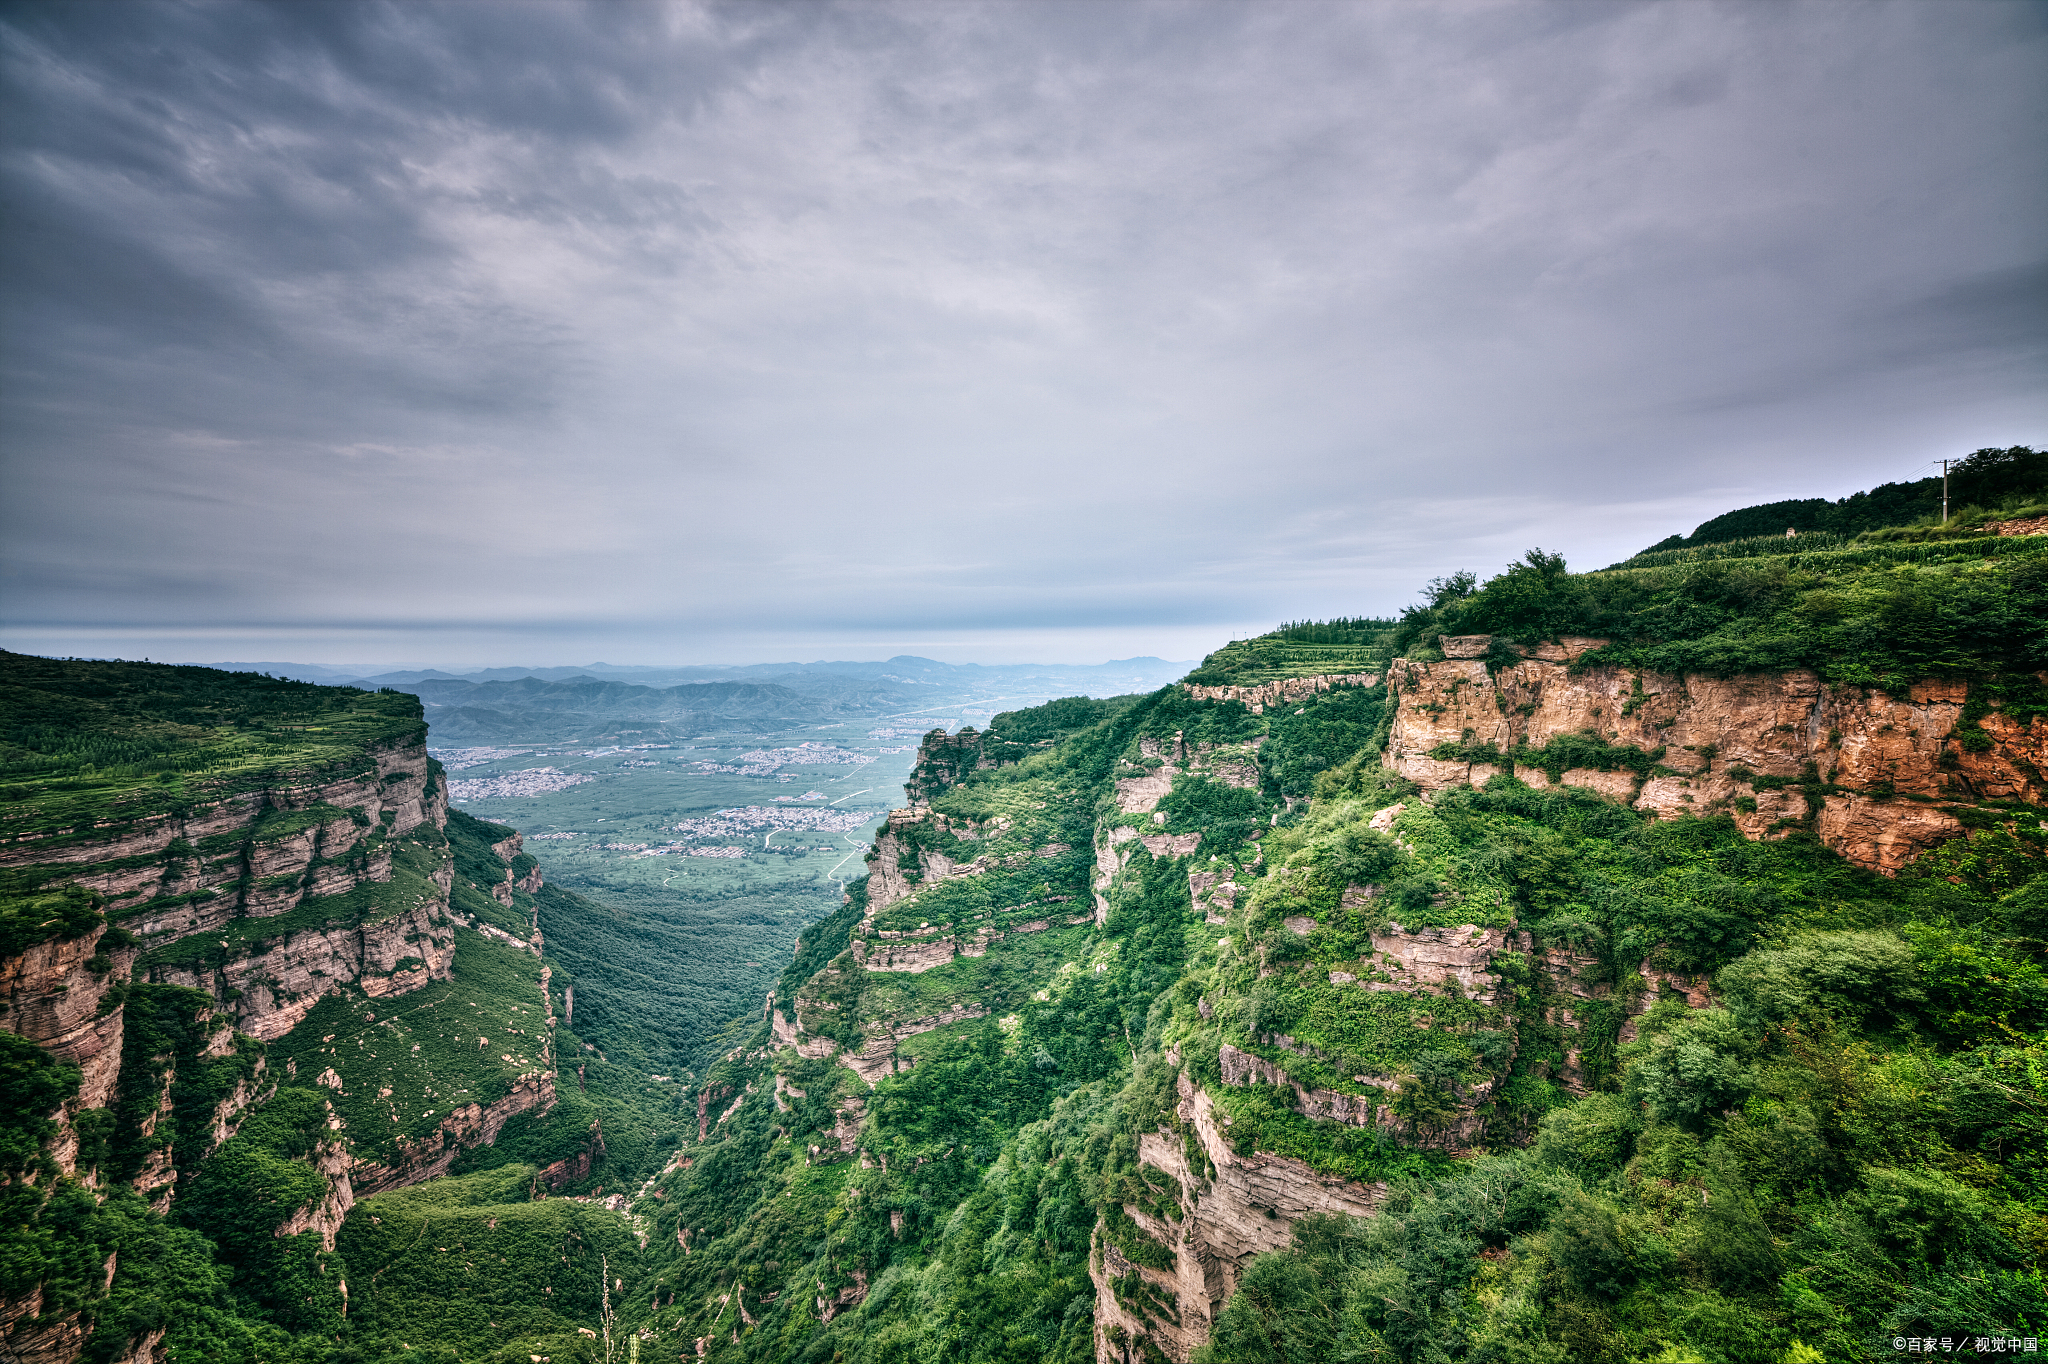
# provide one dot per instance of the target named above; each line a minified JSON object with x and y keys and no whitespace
{"x":227,"y":870}
{"x":63,"y":994}
{"x":1878,"y":778}
{"x":942,"y":759}
{"x":1286,"y":691}
{"x":282,"y":978}
{"x":298,"y":885}
{"x":1222,"y":1209}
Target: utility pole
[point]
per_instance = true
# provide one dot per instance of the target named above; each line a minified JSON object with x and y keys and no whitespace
{"x":1944,"y":492}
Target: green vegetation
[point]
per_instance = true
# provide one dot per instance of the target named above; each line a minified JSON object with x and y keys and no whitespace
{"x":1849,"y":1147}
{"x":473,"y":1267}
{"x":57,"y":1235}
{"x":1856,"y":623}
{"x":1329,"y":729}
{"x":1302,"y":649}
{"x":1984,"y":479}
{"x":1661,"y":1215}
{"x":91,"y":742}
{"x":227,"y":1131}
{"x":1654,"y":1091}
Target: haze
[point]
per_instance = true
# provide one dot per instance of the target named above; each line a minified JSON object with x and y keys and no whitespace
{"x":540,"y":333}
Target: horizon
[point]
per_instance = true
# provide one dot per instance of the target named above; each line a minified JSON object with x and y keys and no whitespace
{"x":1056,"y":330}
{"x":371,"y":671}
{"x":973,"y":332}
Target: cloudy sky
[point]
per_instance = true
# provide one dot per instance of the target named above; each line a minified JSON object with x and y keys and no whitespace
{"x":535,"y":332}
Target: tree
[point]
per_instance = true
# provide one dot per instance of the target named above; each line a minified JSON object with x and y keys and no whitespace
{"x":1989,"y":476}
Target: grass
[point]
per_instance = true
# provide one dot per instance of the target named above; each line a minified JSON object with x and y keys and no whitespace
{"x":423,"y":1047}
{"x":87,"y":744}
{"x":1012,"y":968}
{"x":468,"y":1263}
{"x":1274,"y":657}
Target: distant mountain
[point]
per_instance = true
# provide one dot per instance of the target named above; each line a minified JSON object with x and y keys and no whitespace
{"x":639,"y":703}
{"x":324,"y":674}
{"x":1125,"y":674}
{"x":532,"y":710}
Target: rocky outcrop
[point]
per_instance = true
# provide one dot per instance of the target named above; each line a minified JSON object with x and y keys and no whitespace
{"x":915,"y":952}
{"x":1428,"y":960}
{"x":877,"y":1056}
{"x":942,"y":760}
{"x":281,"y":979}
{"x":1878,"y":778}
{"x":254,"y":855}
{"x":1142,"y":793}
{"x":1289,"y":690}
{"x":466,"y":1128}
{"x":1231,"y":1208}
{"x":1214,"y":893}
{"x":1160,"y":763}
{"x":887,"y":882}
{"x":325,"y":1214}
{"x":239,"y":860}
{"x":53,"y":994}
{"x":25,"y":1340}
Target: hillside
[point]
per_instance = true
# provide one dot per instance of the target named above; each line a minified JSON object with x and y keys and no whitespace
{"x":1979,"y":484}
{"x":241,"y":927}
{"x":1637,"y":965}
{"x":1620,"y":1048}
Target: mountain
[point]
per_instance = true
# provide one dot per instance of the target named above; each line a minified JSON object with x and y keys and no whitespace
{"x":585,"y":708}
{"x":254,"y":971}
{"x":1635,"y":965}
{"x":1513,"y":992}
{"x":1095,"y":679}
{"x":643,"y":704}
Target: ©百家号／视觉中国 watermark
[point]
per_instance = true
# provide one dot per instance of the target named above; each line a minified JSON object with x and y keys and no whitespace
{"x":1979,"y":1345}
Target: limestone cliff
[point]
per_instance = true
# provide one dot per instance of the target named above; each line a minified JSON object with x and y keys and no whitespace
{"x":942,"y":760}
{"x":1220,"y":1209}
{"x":64,"y":994}
{"x":1878,"y":778}
{"x":1286,"y":690}
{"x":268,"y":888}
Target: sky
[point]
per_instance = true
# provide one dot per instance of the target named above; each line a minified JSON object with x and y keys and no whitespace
{"x":539,"y":333}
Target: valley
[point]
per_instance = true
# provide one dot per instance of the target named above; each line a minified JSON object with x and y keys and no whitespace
{"x":1635,"y":965}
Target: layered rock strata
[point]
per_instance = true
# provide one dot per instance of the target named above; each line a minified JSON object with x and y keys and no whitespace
{"x":1229,"y":1209}
{"x":221,"y":872}
{"x":1878,"y":778}
{"x":1291,"y":690}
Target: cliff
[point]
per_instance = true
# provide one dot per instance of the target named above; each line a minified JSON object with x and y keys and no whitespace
{"x":1876,"y":777}
{"x":267,"y":888}
{"x":239,"y":876}
{"x":1214,"y":1210}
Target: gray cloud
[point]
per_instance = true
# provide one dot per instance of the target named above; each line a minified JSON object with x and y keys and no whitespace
{"x":480,"y":331}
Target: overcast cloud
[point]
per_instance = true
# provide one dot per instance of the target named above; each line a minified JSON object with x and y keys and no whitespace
{"x":485,"y":333}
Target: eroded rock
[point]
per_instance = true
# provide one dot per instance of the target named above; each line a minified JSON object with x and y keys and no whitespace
{"x":1896,"y":763}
